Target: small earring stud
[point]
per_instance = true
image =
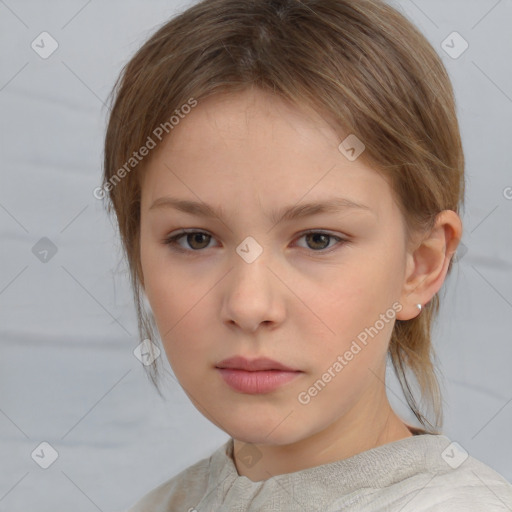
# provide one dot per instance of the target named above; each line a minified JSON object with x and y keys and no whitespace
{"x":419,"y":306}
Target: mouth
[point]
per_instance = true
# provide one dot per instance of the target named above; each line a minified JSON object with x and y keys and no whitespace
{"x":254,"y":365}
{"x":256,"y":376}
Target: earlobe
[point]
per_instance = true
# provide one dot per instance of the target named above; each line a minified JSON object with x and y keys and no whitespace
{"x":428,"y":264}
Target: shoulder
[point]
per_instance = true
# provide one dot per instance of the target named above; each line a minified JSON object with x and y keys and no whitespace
{"x":180,"y":492}
{"x":459,"y":483}
{"x":427,"y":473}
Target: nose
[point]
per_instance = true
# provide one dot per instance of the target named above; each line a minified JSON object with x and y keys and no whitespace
{"x":253,"y":294}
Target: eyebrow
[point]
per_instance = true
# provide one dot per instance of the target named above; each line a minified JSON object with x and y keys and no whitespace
{"x":333,"y":205}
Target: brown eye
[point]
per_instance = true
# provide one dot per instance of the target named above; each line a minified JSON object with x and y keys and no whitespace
{"x":318,"y":240}
{"x":196,"y":241}
{"x":199,"y":239}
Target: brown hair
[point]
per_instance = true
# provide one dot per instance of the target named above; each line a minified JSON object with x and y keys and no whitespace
{"x":359,"y":62}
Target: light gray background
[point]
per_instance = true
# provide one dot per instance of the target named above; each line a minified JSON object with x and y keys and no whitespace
{"x":67,"y":372}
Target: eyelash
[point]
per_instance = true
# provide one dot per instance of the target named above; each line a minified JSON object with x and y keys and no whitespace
{"x":172,"y":241}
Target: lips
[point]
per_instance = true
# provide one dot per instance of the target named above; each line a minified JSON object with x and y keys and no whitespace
{"x":254,"y":365}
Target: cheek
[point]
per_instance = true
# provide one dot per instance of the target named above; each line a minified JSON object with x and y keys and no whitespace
{"x":178,"y":310}
{"x":182,"y":336}
{"x":353,"y":295}
{"x":358,"y":307}
{"x":164,"y":290}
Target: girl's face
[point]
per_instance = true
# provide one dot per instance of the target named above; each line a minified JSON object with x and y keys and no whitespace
{"x":317,"y":292}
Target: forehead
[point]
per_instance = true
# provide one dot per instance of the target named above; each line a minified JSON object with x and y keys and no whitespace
{"x":252,"y":143}
{"x":248,"y":121}
{"x":242,"y":112}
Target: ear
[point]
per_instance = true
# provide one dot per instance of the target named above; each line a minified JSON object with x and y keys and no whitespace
{"x":427,"y":263}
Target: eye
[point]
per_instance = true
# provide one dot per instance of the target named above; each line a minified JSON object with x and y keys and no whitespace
{"x":192,"y":237}
{"x":318,"y":241}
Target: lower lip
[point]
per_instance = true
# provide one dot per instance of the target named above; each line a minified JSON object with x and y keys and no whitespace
{"x":258,"y":382}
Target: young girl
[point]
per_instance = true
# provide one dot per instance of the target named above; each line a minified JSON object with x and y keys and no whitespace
{"x":287,"y":177}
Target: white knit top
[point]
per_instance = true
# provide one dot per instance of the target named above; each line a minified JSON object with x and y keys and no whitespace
{"x":416,"y":474}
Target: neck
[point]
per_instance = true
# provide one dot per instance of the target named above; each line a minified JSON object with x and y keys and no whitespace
{"x":355,"y":432}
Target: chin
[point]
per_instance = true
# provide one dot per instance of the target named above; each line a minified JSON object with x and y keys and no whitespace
{"x":265,"y":434}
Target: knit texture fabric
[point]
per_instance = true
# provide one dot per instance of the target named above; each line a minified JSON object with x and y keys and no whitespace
{"x":416,"y":474}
